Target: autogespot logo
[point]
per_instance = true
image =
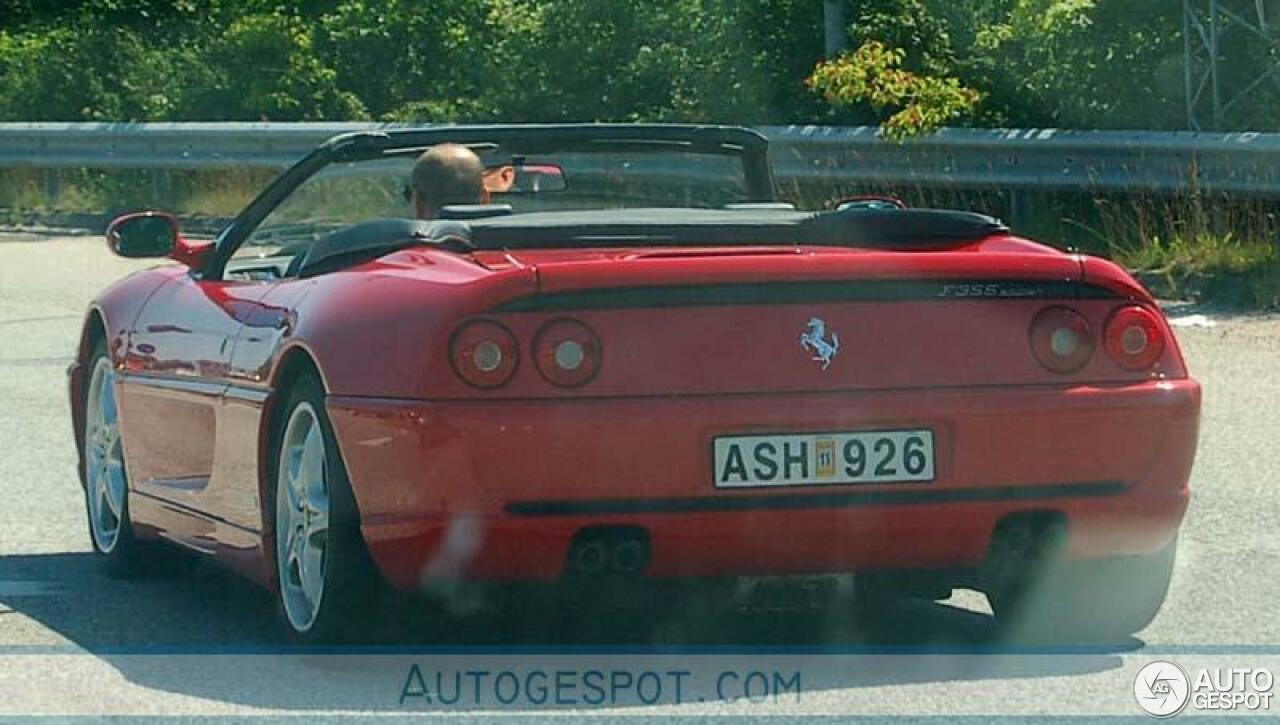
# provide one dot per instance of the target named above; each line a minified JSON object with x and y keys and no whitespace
{"x":1162,"y":689}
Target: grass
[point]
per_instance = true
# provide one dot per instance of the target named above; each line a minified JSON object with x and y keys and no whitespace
{"x":1215,"y":249}
{"x":222,"y":195}
{"x":1216,"y":268}
{"x":204,"y":193}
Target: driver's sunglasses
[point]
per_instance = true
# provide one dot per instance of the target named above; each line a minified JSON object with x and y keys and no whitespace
{"x":407,"y":190}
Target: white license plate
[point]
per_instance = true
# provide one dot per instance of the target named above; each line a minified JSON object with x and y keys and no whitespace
{"x":883,"y":456}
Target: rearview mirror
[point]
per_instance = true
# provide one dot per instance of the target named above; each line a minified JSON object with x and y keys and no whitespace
{"x":870,"y":202}
{"x":522,"y":178}
{"x":142,"y":235}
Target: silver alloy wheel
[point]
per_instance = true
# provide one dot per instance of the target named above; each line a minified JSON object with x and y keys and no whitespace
{"x":302,"y":517}
{"x":105,"y":481}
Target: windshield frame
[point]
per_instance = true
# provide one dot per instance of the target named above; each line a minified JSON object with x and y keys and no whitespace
{"x":749,"y":145}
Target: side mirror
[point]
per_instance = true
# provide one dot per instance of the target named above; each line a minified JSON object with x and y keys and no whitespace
{"x":151,"y":234}
{"x":147,"y":234}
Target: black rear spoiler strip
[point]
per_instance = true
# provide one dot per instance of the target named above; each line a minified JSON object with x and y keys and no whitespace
{"x":781,"y":293}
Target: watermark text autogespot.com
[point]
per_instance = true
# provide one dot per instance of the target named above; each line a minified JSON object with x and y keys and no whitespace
{"x":536,"y":687}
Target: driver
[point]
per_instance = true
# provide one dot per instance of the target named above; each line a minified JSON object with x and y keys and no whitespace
{"x":445,"y":174}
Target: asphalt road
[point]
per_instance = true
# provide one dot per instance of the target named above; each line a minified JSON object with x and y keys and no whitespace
{"x":72,"y":640}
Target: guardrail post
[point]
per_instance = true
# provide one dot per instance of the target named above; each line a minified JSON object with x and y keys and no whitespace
{"x":1197,"y":222}
{"x":52,"y":179}
{"x":1022,"y":207}
{"x":162,"y":188}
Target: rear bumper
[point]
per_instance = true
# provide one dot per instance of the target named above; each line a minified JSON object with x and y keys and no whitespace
{"x":497,"y":490}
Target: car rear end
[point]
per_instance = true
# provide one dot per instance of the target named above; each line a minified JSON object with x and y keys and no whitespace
{"x":766,"y":411}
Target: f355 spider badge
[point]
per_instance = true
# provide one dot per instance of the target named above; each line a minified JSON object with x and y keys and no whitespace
{"x":814,"y":342}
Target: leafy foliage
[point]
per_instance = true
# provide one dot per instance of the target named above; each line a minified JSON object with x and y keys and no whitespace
{"x":268,"y":68}
{"x":918,"y":63}
{"x":873,"y":74}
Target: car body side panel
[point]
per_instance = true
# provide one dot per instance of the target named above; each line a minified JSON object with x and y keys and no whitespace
{"x":224,"y":518}
{"x":117,"y":307}
{"x":177,"y":370}
{"x":120,"y":306}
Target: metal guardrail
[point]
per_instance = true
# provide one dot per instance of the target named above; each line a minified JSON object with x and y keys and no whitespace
{"x":1042,"y":159}
{"x":1037,"y":159}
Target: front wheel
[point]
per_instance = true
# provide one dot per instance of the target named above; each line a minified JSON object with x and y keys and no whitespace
{"x":106,"y":482}
{"x":1085,"y":601}
{"x":323,"y":571}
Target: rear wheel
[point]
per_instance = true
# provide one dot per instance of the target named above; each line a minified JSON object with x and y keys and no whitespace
{"x":323,"y":570}
{"x":1085,"y":601}
{"x":106,"y":482}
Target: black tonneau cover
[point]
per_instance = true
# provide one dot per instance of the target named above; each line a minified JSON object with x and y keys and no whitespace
{"x":879,"y":228}
{"x":904,"y":229}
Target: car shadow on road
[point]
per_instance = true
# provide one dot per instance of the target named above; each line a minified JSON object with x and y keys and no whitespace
{"x":195,"y":629}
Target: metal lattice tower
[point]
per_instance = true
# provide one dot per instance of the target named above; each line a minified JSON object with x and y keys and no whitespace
{"x":1223,"y":41}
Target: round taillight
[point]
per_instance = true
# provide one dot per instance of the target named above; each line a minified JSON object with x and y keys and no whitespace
{"x":484,"y":353}
{"x":1134,"y":338}
{"x":567,"y":353}
{"x":1061,"y":340}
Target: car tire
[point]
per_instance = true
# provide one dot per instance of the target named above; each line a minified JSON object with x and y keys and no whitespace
{"x":1094,"y":600}
{"x":106,"y":482}
{"x":324,"y":576}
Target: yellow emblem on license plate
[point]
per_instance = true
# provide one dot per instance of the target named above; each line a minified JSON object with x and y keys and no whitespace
{"x":825,"y":455}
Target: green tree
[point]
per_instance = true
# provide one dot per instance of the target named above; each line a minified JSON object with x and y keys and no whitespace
{"x":696,"y":60}
{"x":403,"y":57}
{"x":1072,"y":63}
{"x":81,"y":72}
{"x":264,"y":67}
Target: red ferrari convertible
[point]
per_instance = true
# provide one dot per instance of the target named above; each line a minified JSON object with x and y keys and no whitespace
{"x":638,"y":364}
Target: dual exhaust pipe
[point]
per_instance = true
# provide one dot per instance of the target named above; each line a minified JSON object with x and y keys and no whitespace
{"x":604,"y":550}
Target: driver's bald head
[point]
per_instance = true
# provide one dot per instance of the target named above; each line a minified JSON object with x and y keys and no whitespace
{"x":445,"y":174}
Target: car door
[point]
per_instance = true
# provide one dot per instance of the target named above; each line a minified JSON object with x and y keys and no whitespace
{"x":177,"y":371}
